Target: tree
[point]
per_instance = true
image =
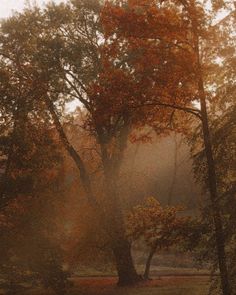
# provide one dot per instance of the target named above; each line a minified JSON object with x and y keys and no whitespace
{"x":220,"y":90}
{"x":103,"y":83}
{"x":159,"y":227}
{"x":30,"y":166}
{"x":211,"y":176}
{"x":192,"y":33}
{"x":29,"y":243}
{"x":56,"y":56}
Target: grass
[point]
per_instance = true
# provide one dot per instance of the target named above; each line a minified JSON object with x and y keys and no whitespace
{"x":154,"y":272}
{"x":162,"y":286}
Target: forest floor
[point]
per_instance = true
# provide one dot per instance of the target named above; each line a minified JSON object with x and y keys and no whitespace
{"x":161,"y":286}
{"x":166,"y":285}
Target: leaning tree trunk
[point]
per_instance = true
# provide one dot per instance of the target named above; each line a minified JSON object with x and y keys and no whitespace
{"x":212,"y":184}
{"x":148,"y":262}
{"x":211,"y":170}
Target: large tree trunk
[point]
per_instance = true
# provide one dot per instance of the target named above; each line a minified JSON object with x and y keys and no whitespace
{"x":121,"y":249}
{"x":124,"y":263}
{"x":120,"y":245}
{"x":111,"y":214}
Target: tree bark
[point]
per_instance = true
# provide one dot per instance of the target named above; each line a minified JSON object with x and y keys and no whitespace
{"x":124,"y":262}
{"x":120,"y":245}
{"x":212,"y":179}
{"x":85,"y":179}
{"x":111,"y":213}
{"x":212,"y":184}
{"x":175,"y":168}
{"x":149,"y":260}
{"x":19,"y":120}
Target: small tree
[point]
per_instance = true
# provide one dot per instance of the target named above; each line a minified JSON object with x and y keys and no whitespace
{"x":159,"y":227}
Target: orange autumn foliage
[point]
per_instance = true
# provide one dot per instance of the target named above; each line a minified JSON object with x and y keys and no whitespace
{"x":146,"y":66}
{"x":155,"y":224}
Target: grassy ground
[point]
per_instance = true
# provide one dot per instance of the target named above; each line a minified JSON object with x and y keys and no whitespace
{"x":154,"y":272}
{"x":162,"y":286}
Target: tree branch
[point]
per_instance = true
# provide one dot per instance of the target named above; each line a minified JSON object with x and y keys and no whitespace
{"x":72,"y":152}
{"x":192,"y":111}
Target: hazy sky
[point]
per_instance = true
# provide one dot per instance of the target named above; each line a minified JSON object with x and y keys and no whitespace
{"x":7,"y":6}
